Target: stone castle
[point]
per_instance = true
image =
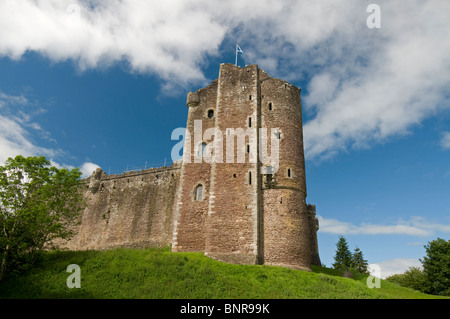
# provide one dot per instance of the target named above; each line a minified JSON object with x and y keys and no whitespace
{"x":221,"y":198}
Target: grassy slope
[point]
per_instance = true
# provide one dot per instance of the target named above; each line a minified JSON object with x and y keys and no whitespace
{"x":158,"y":273}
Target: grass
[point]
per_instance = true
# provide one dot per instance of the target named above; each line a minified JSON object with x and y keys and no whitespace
{"x":161,"y":274}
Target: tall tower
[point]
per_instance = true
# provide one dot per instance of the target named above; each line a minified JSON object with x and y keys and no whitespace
{"x":242,"y":196}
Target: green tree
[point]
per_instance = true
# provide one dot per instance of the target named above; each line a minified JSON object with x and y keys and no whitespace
{"x":436,"y":266}
{"x":343,"y":257}
{"x":359,"y":264}
{"x":414,"y":278}
{"x":38,"y":204}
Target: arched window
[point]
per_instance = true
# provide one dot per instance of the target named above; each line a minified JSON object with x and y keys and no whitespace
{"x":211,"y":114}
{"x":199,"y":192}
{"x":202,"y":149}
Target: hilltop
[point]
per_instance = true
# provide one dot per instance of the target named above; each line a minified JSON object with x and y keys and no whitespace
{"x":161,"y":274}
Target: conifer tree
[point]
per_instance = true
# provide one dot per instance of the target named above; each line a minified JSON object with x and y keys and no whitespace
{"x":343,"y":257}
{"x":359,"y":263}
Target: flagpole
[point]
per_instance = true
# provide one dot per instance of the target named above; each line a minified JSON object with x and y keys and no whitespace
{"x":236,"y":54}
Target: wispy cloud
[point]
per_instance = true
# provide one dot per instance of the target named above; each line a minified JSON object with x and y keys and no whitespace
{"x":416,"y":226}
{"x":16,"y":128}
{"x":18,"y":133}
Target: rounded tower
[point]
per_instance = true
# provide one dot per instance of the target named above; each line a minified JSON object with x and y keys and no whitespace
{"x":285,"y":217}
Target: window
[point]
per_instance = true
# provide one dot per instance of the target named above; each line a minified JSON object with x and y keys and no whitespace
{"x":199,"y":192}
{"x":278,"y":134}
{"x":210,"y":114}
{"x":270,"y":106}
{"x":250,"y":97}
{"x":249,"y":122}
{"x":288,"y":172}
{"x":202,"y":149}
{"x":250,"y":178}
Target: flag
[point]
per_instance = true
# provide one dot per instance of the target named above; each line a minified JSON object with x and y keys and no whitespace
{"x":238,"y":49}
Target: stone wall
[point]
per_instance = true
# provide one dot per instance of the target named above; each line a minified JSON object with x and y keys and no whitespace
{"x":134,"y":209}
{"x":232,"y":233}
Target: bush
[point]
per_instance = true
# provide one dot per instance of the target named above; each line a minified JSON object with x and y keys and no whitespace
{"x":414,"y":278}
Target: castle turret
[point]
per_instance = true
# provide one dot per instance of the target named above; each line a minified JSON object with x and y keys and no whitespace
{"x":192,"y":99}
{"x":242,"y":195}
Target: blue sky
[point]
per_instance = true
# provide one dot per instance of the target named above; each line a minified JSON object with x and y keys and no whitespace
{"x":104,"y":84}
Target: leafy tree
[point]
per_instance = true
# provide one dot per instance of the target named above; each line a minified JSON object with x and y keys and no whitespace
{"x":38,"y":203}
{"x":359,"y":264}
{"x":414,"y":278}
{"x":436,"y":266}
{"x":343,"y":257}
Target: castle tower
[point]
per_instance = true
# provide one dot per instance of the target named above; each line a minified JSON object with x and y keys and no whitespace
{"x":242,"y":196}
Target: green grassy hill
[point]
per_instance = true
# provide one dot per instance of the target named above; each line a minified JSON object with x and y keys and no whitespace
{"x":159,"y":273}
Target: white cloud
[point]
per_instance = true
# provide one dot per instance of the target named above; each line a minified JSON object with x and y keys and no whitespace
{"x":395,"y":266}
{"x":416,"y":226}
{"x":17,"y":130}
{"x":364,"y":85}
{"x":87,"y":169}
{"x":15,"y":123}
{"x":445,"y":141}
{"x":169,"y":38}
{"x":403,"y":82}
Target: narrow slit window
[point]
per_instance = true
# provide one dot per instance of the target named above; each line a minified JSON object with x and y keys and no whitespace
{"x":250,"y":178}
{"x":210,"y":114}
{"x":248,"y":148}
{"x":202,"y":149}
{"x":249,"y":122}
{"x":289,"y":172}
{"x":249,"y":97}
{"x":199,"y":192}
{"x":270,"y":106}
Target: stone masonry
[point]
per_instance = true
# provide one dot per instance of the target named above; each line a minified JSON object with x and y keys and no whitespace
{"x":224,"y":198}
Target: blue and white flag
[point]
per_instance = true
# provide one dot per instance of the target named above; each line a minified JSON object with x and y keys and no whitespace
{"x":238,"y":49}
